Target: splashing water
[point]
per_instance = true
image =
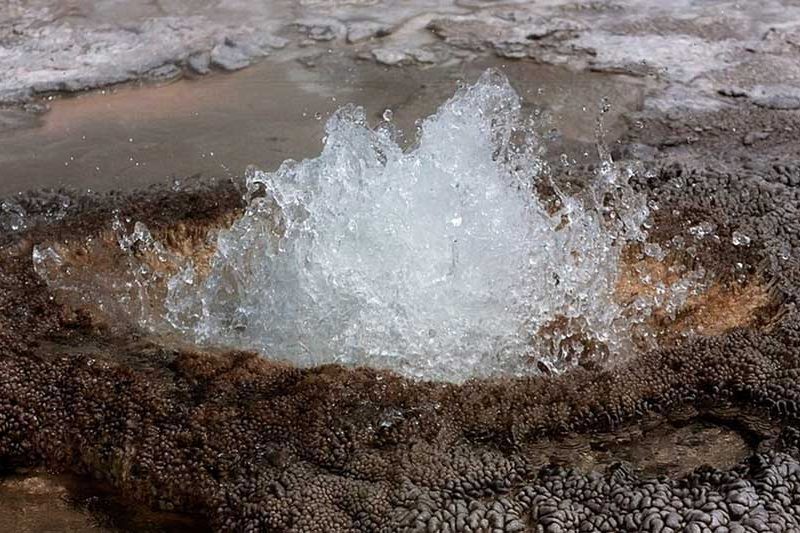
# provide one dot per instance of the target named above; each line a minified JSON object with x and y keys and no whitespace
{"x":441,"y":262}
{"x":460,"y":257}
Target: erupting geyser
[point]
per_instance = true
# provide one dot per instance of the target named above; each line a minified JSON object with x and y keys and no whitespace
{"x":459,"y":257}
{"x":440,"y":261}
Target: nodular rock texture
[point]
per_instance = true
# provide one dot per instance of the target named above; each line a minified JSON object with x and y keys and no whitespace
{"x":253,"y":444}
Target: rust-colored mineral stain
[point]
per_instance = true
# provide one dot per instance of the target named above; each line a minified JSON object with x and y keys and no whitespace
{"x":719,"y":307}
{"x":722,"y":308}
{"x":100,"y":257}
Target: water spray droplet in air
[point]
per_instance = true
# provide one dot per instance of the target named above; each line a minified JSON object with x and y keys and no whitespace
{"x":445,"y":260}
{"x":358,"y":255}
{"x":740,"y":239}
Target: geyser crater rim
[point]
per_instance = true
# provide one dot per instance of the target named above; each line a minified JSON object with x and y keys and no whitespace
{"x":134,"y":240}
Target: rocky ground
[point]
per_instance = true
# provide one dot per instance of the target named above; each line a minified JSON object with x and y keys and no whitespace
{"x":701,"y":435}
{"x":707,"y":52}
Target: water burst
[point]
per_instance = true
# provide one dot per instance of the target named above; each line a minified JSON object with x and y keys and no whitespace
{"x":442,"y":261}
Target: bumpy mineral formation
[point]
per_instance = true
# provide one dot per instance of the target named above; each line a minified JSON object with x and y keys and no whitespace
{"x":255,"y":445}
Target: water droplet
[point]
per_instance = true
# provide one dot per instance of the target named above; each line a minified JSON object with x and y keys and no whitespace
{"x":655,"y":251}
{"x":740,"y":239}
{"x":702,"y":230}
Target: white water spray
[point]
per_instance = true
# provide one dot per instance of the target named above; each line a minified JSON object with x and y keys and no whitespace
{"x":441,"y":262}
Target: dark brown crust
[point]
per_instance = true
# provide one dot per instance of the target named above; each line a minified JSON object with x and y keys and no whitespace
{"x":256,"y":445}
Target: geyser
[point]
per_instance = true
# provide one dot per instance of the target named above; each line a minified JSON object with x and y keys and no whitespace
{"x":441,"y":261}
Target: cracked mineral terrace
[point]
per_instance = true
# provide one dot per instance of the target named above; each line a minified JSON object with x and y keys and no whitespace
{"x":105,"y":425}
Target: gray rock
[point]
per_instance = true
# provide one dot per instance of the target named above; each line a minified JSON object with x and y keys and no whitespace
{"x":779,"y":97}
{"x":389,"y":56}
{"x":200,"y":63}
{"x":362,"y":30}
{"x":229,"y":56}
{"x":423,"y":56}
{"x":778,"y":101}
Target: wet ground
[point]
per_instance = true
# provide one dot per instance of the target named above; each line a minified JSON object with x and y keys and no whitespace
{"x":707,"y":92}
{"x":34,"y":501}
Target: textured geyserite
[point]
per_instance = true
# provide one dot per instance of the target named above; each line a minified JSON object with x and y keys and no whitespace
{"x":254,"y":445}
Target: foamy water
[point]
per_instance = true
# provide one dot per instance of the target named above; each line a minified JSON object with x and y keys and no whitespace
{"x":440,"y":261}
